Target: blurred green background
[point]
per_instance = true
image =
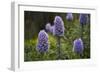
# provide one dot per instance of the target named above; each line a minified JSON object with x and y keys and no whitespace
{"x":36,"y":21}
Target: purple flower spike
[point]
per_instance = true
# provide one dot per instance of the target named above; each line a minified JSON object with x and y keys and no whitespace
{"x":48,"y":26}
{"x":58,"y":26}
{"x":43,"y":44}
{"x":78,"y":46}
{"x":83,"y":18}
{"x":52,"y":29}
{"x":69,"y":16}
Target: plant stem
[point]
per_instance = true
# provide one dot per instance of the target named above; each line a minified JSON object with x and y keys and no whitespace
{"x":42,"y":56}
{"x":59,"y":47}
{"x":82,"y":31}
{"x":82,"y":27}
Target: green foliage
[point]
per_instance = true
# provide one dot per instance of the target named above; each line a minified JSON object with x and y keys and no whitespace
{"x":72,"y":31}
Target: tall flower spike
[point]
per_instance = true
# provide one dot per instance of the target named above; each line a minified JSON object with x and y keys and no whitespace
{"x":48,"y":26}
{"x":42,"y":45}
{"x":69,"y":16}
{"x":83,"y":18}
{"x":78,"y":46}
{"x":58,"y":26}
{"x":52,"y":29}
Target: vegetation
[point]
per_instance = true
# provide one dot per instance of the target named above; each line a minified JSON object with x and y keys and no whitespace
{"x":36,"y":21}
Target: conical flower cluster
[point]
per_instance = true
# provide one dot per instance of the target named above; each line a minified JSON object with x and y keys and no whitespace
{"x":43,"y":44}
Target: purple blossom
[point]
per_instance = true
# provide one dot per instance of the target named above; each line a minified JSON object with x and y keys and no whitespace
{"x":78,"y":46}
{"x":83,"y":18}
{"x":52,"y":29}
{"x":58,"y":28}
{"x":48,"y":26}
{"x":43,"y":44}
{"x":69,"y":16}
